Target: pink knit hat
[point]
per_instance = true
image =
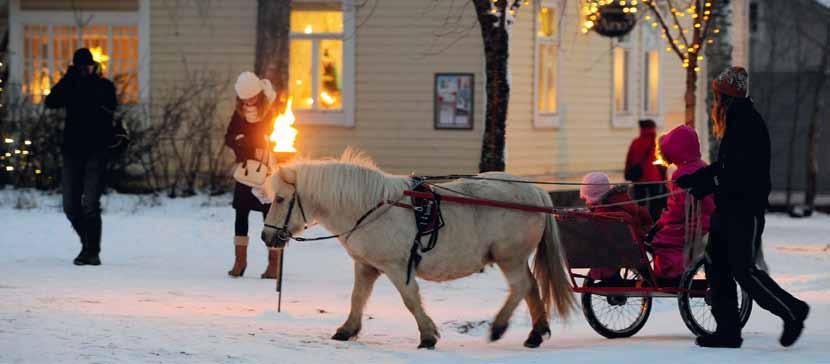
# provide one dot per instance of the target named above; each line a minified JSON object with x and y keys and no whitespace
{"x":596,"y":185}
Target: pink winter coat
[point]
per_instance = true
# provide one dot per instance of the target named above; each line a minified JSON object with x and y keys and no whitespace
{"x":681,"y":148}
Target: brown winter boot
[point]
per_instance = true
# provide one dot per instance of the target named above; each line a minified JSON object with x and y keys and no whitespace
{"x":274,"y":257}
{"x":240,"y":245}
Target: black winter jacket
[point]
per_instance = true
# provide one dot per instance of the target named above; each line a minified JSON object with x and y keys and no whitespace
{"x":90,"y":103}
{"x":740,"y":178}
{"x":244,"y":139}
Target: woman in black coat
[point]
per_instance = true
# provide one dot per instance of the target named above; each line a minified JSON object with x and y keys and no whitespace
{"x":247,"y":135}
{"x":740,"y":180}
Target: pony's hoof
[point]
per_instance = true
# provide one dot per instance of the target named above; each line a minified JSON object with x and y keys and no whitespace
{"x":533,"y":340}
{"x":343,"y":335}
{"x":497,"y":332}
{"x":428,"y":344}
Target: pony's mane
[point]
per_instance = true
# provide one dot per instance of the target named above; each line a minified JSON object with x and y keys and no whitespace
{"x":345,"y":183}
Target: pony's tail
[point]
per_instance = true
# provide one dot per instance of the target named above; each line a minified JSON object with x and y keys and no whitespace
{"x":550,"y":273}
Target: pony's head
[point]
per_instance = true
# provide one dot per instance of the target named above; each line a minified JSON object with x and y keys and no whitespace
{"x":286,"y":216}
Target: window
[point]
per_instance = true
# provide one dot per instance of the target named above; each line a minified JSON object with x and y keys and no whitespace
{"x":48,"y":50}
{"x":621,"y":65}
{"x":321,"y":64}
{"x":651,"y":74}
{"x":546,"y":76}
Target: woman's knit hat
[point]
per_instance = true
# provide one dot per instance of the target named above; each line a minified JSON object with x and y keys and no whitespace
{"x":596,"y":185}
{"x":249,"y":85}
{"x":732,"y":81}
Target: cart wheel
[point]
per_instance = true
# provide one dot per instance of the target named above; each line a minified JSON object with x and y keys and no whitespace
{"x":615,"y":316}
{"x":697,"y":311}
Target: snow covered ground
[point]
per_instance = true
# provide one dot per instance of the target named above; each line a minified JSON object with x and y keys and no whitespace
{"x":162,"y":296}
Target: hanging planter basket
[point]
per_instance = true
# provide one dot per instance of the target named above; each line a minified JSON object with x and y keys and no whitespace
{"x":614,"y":20}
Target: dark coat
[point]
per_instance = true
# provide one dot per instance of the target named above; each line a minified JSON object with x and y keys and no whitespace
{"x":90,"y":103}
{"x":244,"y":139}
{"x":740,"y":178}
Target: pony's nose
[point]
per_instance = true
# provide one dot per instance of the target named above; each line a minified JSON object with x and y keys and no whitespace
{"x":268,"y":236}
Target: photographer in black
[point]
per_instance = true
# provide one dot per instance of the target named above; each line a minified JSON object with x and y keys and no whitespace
{"x":90,"y":102}
{"x":740,"y":181}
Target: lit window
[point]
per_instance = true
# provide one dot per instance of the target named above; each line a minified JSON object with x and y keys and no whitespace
{"x":621,"y":95}
{"x":547,"y":63}
{"x":48,"y":50}
{"x":316,"y":65}
{"x":651,"y":73}
{"x":622,"y":86}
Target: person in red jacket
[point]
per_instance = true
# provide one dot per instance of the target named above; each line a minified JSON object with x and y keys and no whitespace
{"x":680,"y":147}
{"x":640,"y":167}
{"x":597,"y":192}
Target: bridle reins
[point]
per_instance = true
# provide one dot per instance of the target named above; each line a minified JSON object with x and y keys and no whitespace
{"x":284,"y":234}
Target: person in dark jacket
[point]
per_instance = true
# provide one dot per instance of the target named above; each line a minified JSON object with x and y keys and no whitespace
{"x":90,"y":101}
{"x":640,"y":167}
{"x":248,"y":136}
{"x":740,"y":180}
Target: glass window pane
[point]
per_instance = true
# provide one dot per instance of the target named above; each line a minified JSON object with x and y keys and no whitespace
{"x":652,"y":82}
{"x":621,"y":80}
{"x":315,"y":21}
{"x":330,"y":76}
{"x":36,"y":74}
{"x":546,"y":102}
{"x":547,"y":22}
{"x":299,"y":74}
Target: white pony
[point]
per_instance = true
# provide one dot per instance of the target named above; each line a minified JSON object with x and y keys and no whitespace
{"x":336,"y":193}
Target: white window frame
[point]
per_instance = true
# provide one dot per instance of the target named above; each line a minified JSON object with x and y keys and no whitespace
{"x":648,"y":45}
{"x":540,"y":119}
{"x":345,"y":116}
{"x":628,"y":118}
{"x":18,"y":19}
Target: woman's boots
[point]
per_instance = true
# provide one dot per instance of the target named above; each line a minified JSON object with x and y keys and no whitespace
{"x":240,"y":245}
{"x":241,"y":251}
{"x":274,"y":257}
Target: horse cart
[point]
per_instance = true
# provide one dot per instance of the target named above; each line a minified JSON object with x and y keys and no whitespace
{"x":620,"y":308}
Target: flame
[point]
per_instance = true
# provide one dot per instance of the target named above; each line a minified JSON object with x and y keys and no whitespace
{"x":658,"y":154}
{"x":284,"y":133}
{"x":99,"y":56}
{"x":328,"y":99}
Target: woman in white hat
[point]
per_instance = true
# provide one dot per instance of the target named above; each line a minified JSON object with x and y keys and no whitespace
{"x":247,"y":136}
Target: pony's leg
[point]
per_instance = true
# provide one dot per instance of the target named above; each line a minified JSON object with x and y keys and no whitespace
{"x":412,"y":299}
{"x":520,"y":284}
{"x":538,"y":316}
{"x":364,"y":279}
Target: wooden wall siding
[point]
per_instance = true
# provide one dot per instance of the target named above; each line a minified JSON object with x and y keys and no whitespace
{"x":205,"y":37}
{"x":586,"y":140}
{"x":96,"y":5}
{"x":394,"y":89}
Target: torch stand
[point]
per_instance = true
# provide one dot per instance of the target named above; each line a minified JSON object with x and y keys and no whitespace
{"x":281,"y":158}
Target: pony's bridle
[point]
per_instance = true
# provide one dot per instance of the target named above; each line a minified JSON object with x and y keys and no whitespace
{"x":283,"y":234}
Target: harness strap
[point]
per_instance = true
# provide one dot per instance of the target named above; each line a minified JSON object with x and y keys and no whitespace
{"x":428,"y":221}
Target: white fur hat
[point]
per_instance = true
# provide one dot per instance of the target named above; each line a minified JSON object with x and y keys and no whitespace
{"x":249,"y":85}
{"x":596,"y":185}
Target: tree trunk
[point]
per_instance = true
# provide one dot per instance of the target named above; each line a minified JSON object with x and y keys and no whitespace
{"x":814,"y":129}
{"x":272,"y":44}
{"x":794,"y":127}
{"x":495,"y":37}
{"x":691,"y":94}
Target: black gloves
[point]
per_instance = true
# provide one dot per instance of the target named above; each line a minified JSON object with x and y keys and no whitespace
{"x":701,"y":183}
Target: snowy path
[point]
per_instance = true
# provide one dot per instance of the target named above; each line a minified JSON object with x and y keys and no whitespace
{"x":162,"y":296}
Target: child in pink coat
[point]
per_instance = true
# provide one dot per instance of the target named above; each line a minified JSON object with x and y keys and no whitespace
{"x":680,"y":147}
